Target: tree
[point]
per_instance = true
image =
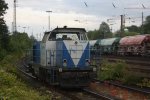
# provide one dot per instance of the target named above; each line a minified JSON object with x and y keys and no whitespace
{"x":92,"y":35}
{"x":20,"y":42}
{"x":105,"y":30}
{"x":4,"y":37}
{"x":134,"y":28}
{"x":126,"y":33}
{"x":146,"y":25}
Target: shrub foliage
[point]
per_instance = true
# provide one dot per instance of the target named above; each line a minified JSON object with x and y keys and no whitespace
{"x":119,"y":72}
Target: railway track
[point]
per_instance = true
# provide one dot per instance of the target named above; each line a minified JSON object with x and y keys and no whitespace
{"x":136,"y":65}
{"x":138,"y":58}
{"x":101,"y":95}
{"x":128,"y":92}
{"x":131,"y":88}
{"x":144,"y":61}
{"x":81,"y":94}
{"x":133,"y":62}
{"x":140,"y":61}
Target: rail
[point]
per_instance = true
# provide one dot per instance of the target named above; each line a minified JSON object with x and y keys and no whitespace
{"x":132,"y":88}
{"x":101,"y":95}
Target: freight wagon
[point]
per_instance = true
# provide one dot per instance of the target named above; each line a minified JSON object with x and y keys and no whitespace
{"x":129,"y":45}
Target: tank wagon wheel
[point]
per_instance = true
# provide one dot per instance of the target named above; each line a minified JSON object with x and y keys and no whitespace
{"x":142,"y":54}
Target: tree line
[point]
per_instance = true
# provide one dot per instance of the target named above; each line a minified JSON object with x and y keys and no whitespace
{"x":104,"y":31}
{"x":18,"y":42}
{"x":11,"y":43}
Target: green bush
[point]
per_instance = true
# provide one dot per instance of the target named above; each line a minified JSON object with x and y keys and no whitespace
{"x":13,"y":89}
{"x":11,"y":86}
{"x":118,"y":72}
{"x":20,"y":42}
{"x":3,"y":53}
{"x":8,"y":63}
{"x":109,"y":71}
{"x":131,"y":79}
{"x":144,"y":83}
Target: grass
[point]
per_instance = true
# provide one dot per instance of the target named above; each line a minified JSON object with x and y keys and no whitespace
{"x":11,"y":87}
{"x":118,"y":72}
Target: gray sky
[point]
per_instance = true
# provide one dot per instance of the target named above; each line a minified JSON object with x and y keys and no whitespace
{"x":32,"y":13}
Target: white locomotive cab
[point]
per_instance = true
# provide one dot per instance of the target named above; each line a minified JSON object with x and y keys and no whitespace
{"x":48,"y":51}
{"x":48,"y":45}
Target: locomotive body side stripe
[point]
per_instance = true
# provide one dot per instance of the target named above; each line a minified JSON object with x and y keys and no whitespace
{"x":67,"y":56}
{"x":76,"y":51}
{"x":85,"y":55}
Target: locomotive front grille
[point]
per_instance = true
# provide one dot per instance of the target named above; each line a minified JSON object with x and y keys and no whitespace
{"x":75,"y":79}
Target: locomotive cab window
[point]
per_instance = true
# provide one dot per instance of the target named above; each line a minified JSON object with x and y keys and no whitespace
{"x":67,"y":36}
{"x":52,"y":36}
{"x":45,"y":37}
{"x":83,"y":37}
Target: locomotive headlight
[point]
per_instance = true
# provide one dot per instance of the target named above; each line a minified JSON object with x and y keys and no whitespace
{"x":64,"y":63}
{"x":60,"y":69}
{"x":87,"y":62}
{"x":94,"y":69}
{"x":75,"y":42}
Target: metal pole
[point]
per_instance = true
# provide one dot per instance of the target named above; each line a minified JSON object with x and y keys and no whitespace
{"x":49,"y":19}
{"x":12,"y":27}
{"x":14,"y":22}
{"x":122,"y":25}
{"x":142,"y":23}
{"x":49,"y":22}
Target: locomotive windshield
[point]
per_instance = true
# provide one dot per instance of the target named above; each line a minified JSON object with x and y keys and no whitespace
{"x":64,"y":36}
{"x":67,"y":36}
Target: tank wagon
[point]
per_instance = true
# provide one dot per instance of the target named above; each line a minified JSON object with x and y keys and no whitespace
{"x":108,"y":46}
{"x":63,"y":58}
{"x":129,"y":45}
{"x":135,"y":45}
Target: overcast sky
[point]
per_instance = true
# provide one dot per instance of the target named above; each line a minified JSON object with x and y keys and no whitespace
{"x":32,"y":13}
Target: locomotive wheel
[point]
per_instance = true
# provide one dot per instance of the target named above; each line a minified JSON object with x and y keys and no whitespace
{"x":32,"y":71}
{"x":142,"y":54}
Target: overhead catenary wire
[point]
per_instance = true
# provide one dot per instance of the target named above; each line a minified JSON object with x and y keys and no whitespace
{"x":142,"y":17}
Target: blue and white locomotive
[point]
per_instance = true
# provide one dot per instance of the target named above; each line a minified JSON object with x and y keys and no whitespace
{"x":63,"y":58}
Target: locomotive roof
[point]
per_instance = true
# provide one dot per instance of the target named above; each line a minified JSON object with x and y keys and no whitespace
{"x":62,"y":30}
{"x":134,"y":40}
{"x":65,"y":29}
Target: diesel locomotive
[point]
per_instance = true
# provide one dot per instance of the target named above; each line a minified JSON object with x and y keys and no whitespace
{"x":63,"y":58}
